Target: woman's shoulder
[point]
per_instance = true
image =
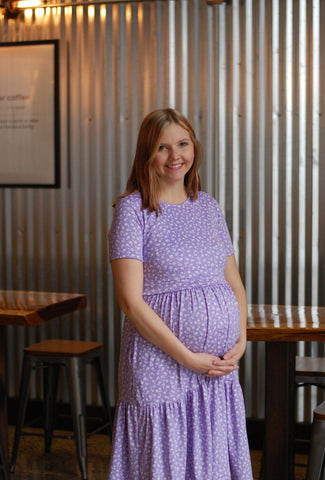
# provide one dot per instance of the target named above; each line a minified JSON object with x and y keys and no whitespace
{"x":132,"y":200}
{"x":209,"y":204}
{"x":207,"y":199}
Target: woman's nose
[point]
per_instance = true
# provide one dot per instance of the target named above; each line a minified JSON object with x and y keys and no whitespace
{"x":174,"y":153}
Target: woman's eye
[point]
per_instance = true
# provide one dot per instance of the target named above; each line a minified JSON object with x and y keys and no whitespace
{"x":161,"y":147}
{"x":184,"y":144}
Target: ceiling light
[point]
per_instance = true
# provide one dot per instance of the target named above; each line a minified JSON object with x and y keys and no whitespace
{"x":28,"y":3}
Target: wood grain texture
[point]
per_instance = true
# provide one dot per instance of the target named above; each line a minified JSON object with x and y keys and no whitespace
{"x":285,"y":323}
{"x":28,"y":308}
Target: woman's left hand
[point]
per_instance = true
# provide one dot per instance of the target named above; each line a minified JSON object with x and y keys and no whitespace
{"x":236,"y":352}
{"x":233,"y":356}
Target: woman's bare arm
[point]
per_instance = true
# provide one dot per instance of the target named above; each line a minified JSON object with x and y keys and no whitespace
{"x":233,"y":278}
{"x":128,"y":280}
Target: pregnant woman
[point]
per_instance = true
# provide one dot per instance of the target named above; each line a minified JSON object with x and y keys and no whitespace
{"x":180,"y":414}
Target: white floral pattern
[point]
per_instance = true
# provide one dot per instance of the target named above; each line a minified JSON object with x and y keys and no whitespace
{"x":171,"y":423}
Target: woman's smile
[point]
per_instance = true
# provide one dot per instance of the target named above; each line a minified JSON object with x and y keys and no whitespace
{"x":175,"y":165}
{"x":175,"y":155}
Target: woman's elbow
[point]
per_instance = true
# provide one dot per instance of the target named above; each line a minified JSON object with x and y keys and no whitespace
{"x":129,"y":306}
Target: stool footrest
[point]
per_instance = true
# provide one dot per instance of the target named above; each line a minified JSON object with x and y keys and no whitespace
{"x":53,"y":435}
{"x":99,"y":429}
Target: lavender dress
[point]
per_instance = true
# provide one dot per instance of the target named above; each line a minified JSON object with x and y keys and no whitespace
{"x":172,"y":423}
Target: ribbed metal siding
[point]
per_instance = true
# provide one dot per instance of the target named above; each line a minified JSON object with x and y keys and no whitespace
{"x":249,"y":75}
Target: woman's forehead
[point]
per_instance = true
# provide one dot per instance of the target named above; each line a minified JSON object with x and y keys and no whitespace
{"x":174,"y":131}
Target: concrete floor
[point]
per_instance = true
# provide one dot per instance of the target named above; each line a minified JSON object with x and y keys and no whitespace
{"x":61,"y":463}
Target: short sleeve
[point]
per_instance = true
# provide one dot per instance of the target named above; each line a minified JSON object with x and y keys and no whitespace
{"x":224,"y":232}
{"x":125,"y":237}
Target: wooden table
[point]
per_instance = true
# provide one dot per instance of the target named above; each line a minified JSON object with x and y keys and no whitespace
{"x":281,"y":327}
{"x":27,"y":308}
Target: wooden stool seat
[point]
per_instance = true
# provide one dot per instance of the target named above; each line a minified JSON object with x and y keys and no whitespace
{"x":50,"y":356}
{"x":310,"y":366}
{"x":66,"y":348}
{"x":310,"y":371}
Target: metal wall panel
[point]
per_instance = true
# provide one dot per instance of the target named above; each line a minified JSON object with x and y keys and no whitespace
{"x":249,"y":76}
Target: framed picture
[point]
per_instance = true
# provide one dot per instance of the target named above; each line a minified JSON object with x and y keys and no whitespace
{"x":29,"y":114}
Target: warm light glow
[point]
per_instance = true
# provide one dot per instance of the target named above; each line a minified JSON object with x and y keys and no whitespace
{"x":115,"y":13}
{"x":140,"y":13}
{"x":28,"y":3}
{"x":56,"y":15}
{"x":39,"y":12}
{"x":128,"y":13}
{"x":28,"y":14}
{"x":91,"y":11}
{"x":80,"y":11}
{"x":103,"y":12}
{"x":68,"y":12}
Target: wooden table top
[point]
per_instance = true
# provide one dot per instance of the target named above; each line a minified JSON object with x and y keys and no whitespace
{"x":28,"y":308}
{"x":285,"y":323}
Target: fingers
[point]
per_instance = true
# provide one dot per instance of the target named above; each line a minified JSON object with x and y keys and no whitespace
{"x":236,"y":352}
{"x":223,"y":363}
{"x":221,"y":370}
{"x":219,"y":373}
{"x":211,"y":365}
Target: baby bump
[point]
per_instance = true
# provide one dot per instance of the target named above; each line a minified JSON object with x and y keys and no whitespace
{"x":205,"y":319}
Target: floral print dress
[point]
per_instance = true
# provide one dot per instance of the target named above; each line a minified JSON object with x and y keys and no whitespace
{"x":172,"y":423}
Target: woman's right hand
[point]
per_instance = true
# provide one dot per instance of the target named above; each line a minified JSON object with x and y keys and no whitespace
{"x":210,"y":365}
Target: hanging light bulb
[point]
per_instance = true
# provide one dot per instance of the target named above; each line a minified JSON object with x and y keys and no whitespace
{"x":28,"y":3}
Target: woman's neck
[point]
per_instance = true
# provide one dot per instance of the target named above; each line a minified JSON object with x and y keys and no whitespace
{"x":173,"y":196}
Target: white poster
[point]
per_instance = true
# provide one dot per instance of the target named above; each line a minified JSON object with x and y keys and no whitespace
{"x":29,"y":123}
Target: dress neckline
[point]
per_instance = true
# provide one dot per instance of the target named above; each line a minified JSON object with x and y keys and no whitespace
{"x":174,"y":204}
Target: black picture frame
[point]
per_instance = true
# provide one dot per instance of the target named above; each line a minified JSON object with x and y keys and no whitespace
{"x":29,"y":114}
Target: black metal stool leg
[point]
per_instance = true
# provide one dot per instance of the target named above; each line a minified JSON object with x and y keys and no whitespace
{"x":101,"y":384}
{"x":75,"y":369}
{"x":23,"y":399}
{"x":50,"y":386}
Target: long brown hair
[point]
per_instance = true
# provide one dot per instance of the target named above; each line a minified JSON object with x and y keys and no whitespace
{"x":143,"y":177}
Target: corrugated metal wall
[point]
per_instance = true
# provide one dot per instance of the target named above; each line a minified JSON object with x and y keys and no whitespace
{"x":250,"y":76}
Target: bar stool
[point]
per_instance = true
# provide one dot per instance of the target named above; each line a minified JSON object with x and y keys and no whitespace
{"x":310,"y":371}
{"x":50,"y":355}
{"x":316,"y":460}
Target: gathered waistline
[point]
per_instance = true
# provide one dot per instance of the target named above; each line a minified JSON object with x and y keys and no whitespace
{"x":189,"y":287}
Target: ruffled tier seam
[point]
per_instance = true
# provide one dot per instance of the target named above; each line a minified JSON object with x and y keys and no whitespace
{"x":188,"y":288}
{"x":230,"y":382}
{"x":184,"y":439}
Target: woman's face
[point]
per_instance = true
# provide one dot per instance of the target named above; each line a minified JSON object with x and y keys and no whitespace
{"x":175,"y":155}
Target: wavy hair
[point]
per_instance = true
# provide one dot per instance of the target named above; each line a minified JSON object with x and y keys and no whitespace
{"x":143,"y":177}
